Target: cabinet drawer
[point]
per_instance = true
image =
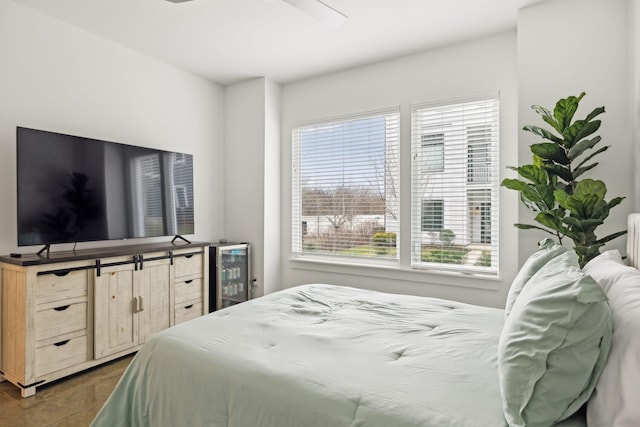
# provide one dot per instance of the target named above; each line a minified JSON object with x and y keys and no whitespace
{"x":188,"y":265}
{"x":60,"y":320}
{"x":187,"y":311}
{"x":60,"y":355}
{"x":187,"y":290}
{"x":60,"y":286}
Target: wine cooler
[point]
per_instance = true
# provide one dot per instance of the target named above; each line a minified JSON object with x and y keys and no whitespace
{"x":229,"y":275}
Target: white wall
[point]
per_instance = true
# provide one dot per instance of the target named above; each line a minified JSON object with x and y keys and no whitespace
{"x":272,"y":190}
{"x":56,"y":77}
{"x":252,"y":185}
{"x":634,"y":97}
{"x":566,"y":47}
{"x":485,"y":65}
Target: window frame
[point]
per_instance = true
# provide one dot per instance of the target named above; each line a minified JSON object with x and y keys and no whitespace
{"x":433,"y":144}
{"x":464,"y":132}
{"x":407,"y":218}
{"x":299,"y":224}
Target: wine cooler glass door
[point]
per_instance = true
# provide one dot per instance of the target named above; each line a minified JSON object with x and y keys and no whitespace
{"x":233,"y":275}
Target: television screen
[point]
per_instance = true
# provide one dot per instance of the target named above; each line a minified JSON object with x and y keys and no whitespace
{"x":75,"y":189}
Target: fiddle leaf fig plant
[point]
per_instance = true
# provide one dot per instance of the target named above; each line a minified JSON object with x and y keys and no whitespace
{"x":564,"y":204}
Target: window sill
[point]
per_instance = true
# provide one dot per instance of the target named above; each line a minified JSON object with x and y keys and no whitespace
{"x":394,"y":271}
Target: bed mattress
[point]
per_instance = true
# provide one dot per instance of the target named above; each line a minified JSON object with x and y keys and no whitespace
{"x":319,"y":355}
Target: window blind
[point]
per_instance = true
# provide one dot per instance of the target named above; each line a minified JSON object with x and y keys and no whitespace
{"x":454,"y":189}
{"x":345,"y":194}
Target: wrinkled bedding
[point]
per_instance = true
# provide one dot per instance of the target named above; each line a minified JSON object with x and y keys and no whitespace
{"x":319,"y":356}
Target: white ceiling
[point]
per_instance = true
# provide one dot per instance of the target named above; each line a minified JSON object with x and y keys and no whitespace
{"x":231,"y":40}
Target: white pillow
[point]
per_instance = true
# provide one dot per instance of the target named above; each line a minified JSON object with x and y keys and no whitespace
{"x":615,"y":401}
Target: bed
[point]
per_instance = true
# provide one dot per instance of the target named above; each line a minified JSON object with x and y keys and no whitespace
{"x":325,"y":355}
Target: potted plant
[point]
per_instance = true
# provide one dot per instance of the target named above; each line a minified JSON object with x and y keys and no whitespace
{"x":565,"y":204}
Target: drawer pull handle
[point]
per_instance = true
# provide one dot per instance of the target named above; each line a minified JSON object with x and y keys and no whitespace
{"x":188,"y":281}
{"x":61,"y":273}
{"x":188,"y":256}
{"x":63,"y":308}
{"x":61,"y":343}
{"x":188,"y":307}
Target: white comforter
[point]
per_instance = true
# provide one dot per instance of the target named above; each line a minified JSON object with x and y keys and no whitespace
{"x":319,"y":356}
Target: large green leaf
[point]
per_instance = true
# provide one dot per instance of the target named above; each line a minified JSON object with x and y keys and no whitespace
{"x":513,"y":184}
{"x":547,"y":117}
{"x":537,"y":161}
{"x":592,"y":155}
{"x":546,"y":192}
{"x":590,"y":204}
{"x":533,"y":198}
{"x":550,"y":151}
{"x":554,"y":223}
{"x":581,"y":146}
{"x":532,"y":206}
{"x":576,"y":205}
{"x":565,"y":109}
{"x":560,"y":171}
{"x":581,"y":170}
{"x":596,"y":112}
{"x":603,"y":208}
{"x":591,"y":186}
{"x":615,"y":202}
{"x":578,"y":130}
{"x":533,"y":173}
{"x":543,"y":133}
{"x":610,"y":237}
{"x":581,"y":204}
{"x":582,"y":224}
{"x":537,"y":202}
{"x":548,"y":220}
{"x":588,"y":129}
{"x":532,"y":227}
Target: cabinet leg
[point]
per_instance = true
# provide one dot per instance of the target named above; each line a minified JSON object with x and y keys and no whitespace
{"x":28,"y":392}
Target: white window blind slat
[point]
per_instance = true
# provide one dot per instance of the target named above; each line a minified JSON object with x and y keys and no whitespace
{"x":345,"y":187}
{"x":454,"y":191}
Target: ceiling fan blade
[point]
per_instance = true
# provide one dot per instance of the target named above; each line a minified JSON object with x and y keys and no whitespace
{"x":316,"y":8}
{"x":319,"y":10}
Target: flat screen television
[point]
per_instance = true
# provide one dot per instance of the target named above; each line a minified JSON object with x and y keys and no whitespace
{"x":73,"y":189}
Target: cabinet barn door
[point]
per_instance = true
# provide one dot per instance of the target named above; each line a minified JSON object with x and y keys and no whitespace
{"x":156,"y":303}
{"x":115,"y":310}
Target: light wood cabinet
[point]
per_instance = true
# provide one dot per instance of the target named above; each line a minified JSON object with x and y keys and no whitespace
{"x":58,"y":318}
{"x":189,"y":288}
{"x":132,"y":302}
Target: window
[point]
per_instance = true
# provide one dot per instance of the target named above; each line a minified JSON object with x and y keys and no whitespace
{"x":345,"y":194}
{"x":464,"y":236}
{"x":479,"y":154}
{"x":432,"y":215}
{"x":182,"y":201}
{"x":432,"y":152}
{"x":162,"y":194}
